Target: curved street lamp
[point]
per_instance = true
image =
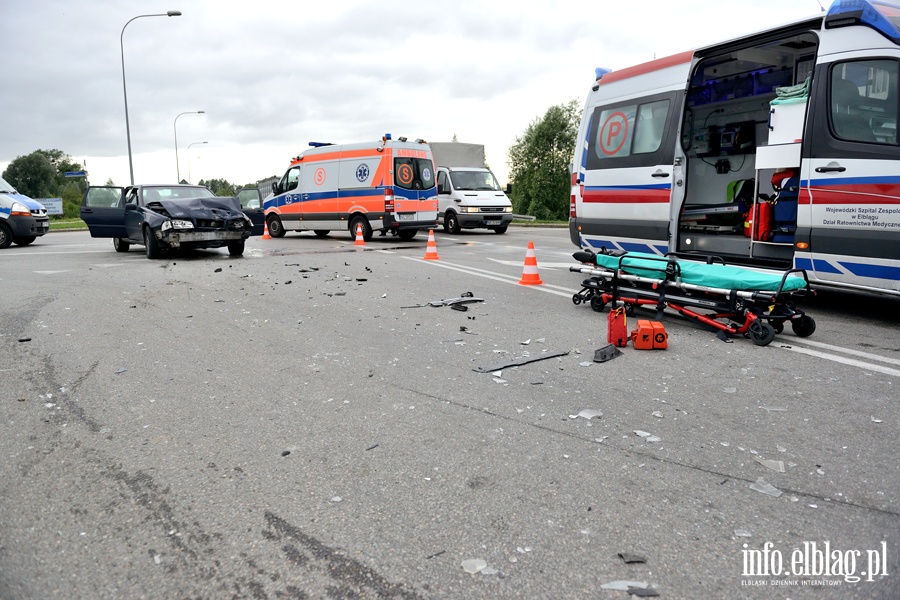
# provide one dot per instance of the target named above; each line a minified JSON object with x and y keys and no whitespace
{"x":171,"y":13}
{"x":189,"y":157}
{"x":175,"y":127}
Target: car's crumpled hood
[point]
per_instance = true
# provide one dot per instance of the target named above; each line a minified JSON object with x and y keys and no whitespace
{"x":202,"y":208}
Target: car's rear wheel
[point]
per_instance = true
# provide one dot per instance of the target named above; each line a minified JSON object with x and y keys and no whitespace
{"x":152,"y":245}
{"x":321,"y":232}
{"x":407,"y":234}
{"x":121,"y":245}
{"x":236,"y":248}
{"x":5,"y":236}
{"x":276,"y":228}
{"x":24,"y":241}
{"x":451,"y":223}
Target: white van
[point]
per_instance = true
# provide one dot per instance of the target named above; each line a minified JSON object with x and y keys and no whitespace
{"x":469,"y":195}
{"x":777,"y":149}
{"x":22,"y":220}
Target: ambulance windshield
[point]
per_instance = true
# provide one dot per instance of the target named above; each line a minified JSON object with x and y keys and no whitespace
{"x":413,"y":173}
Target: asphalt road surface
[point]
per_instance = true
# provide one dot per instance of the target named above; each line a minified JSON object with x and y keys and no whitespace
{"x":301,"y":423}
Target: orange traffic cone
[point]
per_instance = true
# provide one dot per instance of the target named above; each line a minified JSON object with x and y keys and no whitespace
{"x":530,"y":272}
{"x":431,"y":248}
{"x":359,"y":236}
{"x":265,"y":235}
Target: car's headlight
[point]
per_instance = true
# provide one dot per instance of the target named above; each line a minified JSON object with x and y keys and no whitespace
{"x":471,"y":209}
{"x":507,"y":209}
{"x":177,"y":224}
{"x":20,"y":210}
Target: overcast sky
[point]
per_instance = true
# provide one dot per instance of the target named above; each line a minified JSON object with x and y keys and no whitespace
{"x":274,"y":75}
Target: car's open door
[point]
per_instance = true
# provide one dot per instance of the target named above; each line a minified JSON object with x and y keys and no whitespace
{"x":251,"y":204}
{"x":103,"y":209}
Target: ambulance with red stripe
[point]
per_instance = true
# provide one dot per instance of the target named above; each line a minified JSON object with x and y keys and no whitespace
{"x":777,"y":149}
{"x":386,"y":186}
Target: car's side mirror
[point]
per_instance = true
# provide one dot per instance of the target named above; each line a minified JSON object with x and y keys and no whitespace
{"x":276,"y":188}
{"x":131,"y":206}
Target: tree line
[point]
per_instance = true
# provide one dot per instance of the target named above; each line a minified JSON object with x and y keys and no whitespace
{"x":538,"y":160}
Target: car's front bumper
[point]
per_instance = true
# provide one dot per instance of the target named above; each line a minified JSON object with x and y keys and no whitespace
{"x":477,"y":220}
{"x":201,"y":239}
{"x":25,"y":227}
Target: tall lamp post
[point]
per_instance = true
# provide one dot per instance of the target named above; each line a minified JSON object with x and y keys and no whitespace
{"x":189,"y":157}
{"x":171,"y":13}
{"x":175,"y":127}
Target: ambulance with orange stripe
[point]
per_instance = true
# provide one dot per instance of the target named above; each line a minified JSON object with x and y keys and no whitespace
{"x":388,"y":186}
{"x":777,"y":149}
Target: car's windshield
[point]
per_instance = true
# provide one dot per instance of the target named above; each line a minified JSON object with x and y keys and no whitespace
{"x":474,"y":180}
{"x":175,"y":193}
{"x":6,"y":187}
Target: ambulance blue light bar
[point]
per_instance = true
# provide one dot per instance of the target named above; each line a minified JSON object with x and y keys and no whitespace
{"x":320,"y":144}
{"x":883,"y":17}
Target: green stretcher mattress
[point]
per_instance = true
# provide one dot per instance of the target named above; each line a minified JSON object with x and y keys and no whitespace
{"x":695,"y":273}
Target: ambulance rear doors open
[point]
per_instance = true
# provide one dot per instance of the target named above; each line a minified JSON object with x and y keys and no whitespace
{"x":777,"y":149}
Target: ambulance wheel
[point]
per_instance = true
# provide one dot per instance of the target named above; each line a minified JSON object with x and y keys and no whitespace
{"x":761,"y":333}
{"x":366,"y":229}
{"x":407,"y":234}
{"x":236,"y":248}
{"x":500,"y":229}
{"x":451,"y":223}
{"x":276,"y":229}
{"x":804,"y":326}
{"x":24,"y":241}
{"x":5,"y":236}
{"x":321,"y":232}
{"x":597,"y":303}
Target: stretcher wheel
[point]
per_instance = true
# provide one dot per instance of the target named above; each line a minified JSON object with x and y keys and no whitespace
{"x":629,"y":309}
{"x":804,"y":326}
{"x":761,"y":333}
{"x":576,"y":299}
{"x":597,"y":302}
{"x":778,"y":326}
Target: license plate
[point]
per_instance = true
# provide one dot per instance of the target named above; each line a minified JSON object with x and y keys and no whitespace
{"x":406,"y":216}
{"x":492,"y":221}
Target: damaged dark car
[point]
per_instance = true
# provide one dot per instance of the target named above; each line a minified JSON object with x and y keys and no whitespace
{"x":168,"y":217}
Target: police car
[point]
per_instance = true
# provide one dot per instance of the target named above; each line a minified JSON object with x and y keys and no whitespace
{"x":22,"y":220}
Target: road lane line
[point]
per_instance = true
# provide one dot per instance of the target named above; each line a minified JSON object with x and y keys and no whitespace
{"x":847,"y":361}
{"x":547,"y":288}
{"x":859,"y":353}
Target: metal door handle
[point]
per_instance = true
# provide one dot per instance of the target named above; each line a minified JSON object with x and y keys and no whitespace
{"x":660,"y":174}
{"x":830,"y":169}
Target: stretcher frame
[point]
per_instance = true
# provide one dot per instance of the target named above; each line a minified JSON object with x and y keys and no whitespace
{"x":757,"y":314}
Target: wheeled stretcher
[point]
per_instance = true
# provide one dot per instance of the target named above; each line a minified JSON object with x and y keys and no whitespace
{"x":734,"y":300}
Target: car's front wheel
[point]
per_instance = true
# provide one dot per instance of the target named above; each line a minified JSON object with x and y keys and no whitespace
{"x":501,"y":229}
{"x":451,"y":223}
{"x":5,"y":236}
{"x":152,"y":245}
{"x":121,"y":245}
{"x":236,"y":248}
{"x":24,"y":241}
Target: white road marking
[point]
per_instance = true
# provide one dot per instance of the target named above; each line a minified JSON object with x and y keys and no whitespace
{"x":840,"y":359}
{"x":51,"y":272}
{"x":861,"y":354}
{"x":547,"y":288}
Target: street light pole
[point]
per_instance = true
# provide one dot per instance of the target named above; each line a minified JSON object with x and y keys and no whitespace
{"x":189,"y":157}
{"x":175,"y":127}
{"x":171,"y":13}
